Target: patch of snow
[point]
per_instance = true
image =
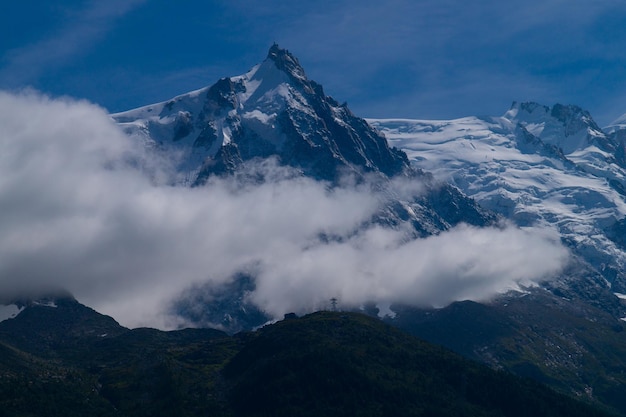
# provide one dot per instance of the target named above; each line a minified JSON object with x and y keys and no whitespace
{"x":260,"y":116}
{"x":9,"y":312}
{"x":226,"y":134}
{"x":535,"y":128}
{"x":45,"y":303}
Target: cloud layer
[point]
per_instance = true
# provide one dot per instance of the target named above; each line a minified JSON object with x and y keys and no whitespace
{"x":84,"y":208}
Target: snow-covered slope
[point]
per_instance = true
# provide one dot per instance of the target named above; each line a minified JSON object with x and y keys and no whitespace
{"x":536,"y":165}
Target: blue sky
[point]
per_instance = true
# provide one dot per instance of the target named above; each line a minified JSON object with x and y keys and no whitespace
{"x":398,"y":58}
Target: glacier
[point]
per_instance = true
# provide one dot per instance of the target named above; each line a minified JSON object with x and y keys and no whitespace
{"x":551,"y":168}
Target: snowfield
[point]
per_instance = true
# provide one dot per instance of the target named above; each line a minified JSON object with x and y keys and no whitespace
{"x":518,"y":166}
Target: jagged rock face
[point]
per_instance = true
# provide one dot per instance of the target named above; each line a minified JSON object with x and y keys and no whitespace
{"x":271,"y":110}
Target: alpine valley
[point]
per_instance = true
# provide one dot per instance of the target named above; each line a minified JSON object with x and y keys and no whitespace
{"x":549,"y":174}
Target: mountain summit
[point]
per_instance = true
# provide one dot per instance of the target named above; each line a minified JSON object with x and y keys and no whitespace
{"x":272,"y":110}
{"x":275,"y":111}
{"x":286,"y":62}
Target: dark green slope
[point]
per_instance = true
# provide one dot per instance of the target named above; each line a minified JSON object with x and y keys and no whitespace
{"x":146,"y":372}
{"x":570,"y":345}
{"x":61,"y":362}
{"x":31,"y":386}
{"x":351,"y":365}
{"x":70,"y":360}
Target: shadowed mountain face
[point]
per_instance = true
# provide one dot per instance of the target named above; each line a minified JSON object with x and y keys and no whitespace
{"x":322,"y":364}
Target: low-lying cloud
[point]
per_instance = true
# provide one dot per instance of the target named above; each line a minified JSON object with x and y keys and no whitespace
{"x":84,"y":208}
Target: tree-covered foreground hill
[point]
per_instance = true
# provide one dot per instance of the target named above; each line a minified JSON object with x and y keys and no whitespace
{"x":69,"y":360}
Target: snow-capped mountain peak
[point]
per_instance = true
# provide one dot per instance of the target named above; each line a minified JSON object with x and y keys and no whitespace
{"x":273,"y":109}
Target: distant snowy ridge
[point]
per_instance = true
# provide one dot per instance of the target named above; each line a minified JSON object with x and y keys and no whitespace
{"x":552,"y":167}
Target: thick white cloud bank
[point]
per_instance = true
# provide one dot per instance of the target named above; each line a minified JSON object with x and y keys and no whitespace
{"x":83,"y":208}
